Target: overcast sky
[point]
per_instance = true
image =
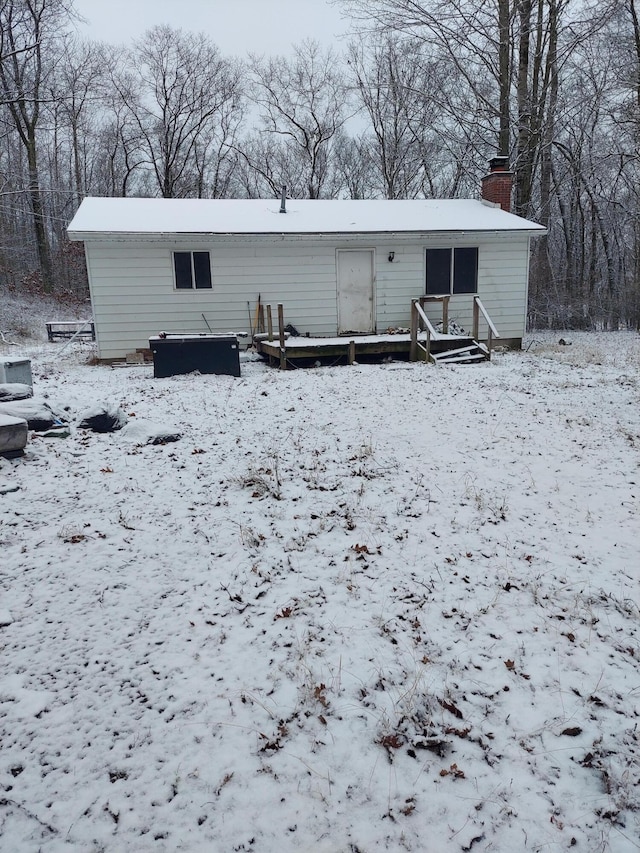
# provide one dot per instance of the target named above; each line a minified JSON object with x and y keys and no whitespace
{"x":236,"y":26}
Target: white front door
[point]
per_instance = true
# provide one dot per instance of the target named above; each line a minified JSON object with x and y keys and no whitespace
{"x":355,"y":291}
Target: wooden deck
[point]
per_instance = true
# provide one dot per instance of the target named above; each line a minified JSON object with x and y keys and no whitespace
{"x":422,"y":342}
{"x":302,"y":351}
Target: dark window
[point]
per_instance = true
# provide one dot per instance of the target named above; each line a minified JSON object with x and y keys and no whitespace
{"x":465,"y":270}
{"x":193,"y":270}
{"x":452,"y":271}
{"x":182,"y":264}
{"x":438,"y":271}
{"x":202,"y":269}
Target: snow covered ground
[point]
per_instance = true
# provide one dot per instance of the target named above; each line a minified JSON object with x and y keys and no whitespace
{"x":384,"y":607}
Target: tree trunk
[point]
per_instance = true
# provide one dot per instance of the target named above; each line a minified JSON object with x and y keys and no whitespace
{"x":524,"y":152}
{"x":504,"y":63}
{"x":39,"y":225}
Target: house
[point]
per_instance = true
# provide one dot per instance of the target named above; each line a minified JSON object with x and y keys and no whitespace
{"x":337,"y":266}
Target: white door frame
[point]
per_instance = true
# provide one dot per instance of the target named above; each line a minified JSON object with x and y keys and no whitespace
{"x":372,"y":324}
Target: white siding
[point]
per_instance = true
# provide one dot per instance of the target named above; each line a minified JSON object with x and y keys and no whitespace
{"x":133,"y":293}
{"x":503,"y":268}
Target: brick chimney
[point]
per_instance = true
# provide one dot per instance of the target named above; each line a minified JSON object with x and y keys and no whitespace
{"x":496,"y":186}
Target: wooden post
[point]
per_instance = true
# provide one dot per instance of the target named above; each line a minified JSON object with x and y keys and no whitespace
{"x":476,"y":319}
{"x":489,"y":341}
{"x":445,"y":315}
{"x":427,"y":347}
{"x":283,"y":351}
{"x":269,"y":323}
{"x":260,"y":317}
{"x":413,"y":348}
{"x":352,"y":351}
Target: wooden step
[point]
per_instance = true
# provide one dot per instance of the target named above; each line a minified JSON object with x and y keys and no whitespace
{"x":462,"y":359}
{"x":470,"y":353}
{"x":446,"y":352}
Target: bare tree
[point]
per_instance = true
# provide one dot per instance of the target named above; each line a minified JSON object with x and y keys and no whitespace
{"x":580,"y":270}
{"x":624,"y":40}
{"x":473,"y":39}
{"x":537,"y":80}
{"x":506,"y":54}
{"x":356,"y":172}
{"x":78,"y":90}
{"x":302,"y":104}
{"x":29,"y":30}
{"x":393,"y":83}
{"x":215,"y":155}
{"x":186,"y":93}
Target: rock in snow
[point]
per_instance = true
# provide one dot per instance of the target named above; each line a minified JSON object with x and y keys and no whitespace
{"x":147,"y":432}
{"x":38,"y":414}
{"x":105,"y":417}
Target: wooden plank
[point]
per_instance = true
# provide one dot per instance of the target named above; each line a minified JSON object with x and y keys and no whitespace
{"x":426,"y":321}
{"x":468,"y":349}
{"x":459,"y":358}
{"x":310,"y":349}
{"x":269,"y":323}
{"x":281,"y":338}
{"x":478,"y":304}
{"x":307,"y":350}
{"x":413,"y":350}
{"x":445,"y":315}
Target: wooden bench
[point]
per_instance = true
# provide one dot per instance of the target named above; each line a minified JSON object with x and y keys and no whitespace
{"x":70,"y":328}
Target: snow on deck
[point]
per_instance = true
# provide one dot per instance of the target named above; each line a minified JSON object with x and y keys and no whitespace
{"x":250,"y":216}
{"x":302,"y":341}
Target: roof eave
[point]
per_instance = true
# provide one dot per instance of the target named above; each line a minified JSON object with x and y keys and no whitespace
{"x":164,"y":236}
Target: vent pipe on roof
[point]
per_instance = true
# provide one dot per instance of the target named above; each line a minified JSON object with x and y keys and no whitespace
{"x":283,"y":199}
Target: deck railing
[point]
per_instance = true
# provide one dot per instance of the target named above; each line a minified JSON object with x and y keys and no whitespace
{"x":492,"y":332}
{"x":420,"y":321}
{"x":445,"y":309}
{"x":282,"y":335}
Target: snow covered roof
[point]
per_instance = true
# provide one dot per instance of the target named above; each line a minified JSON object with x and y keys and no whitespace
{"x":152,"y":216}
